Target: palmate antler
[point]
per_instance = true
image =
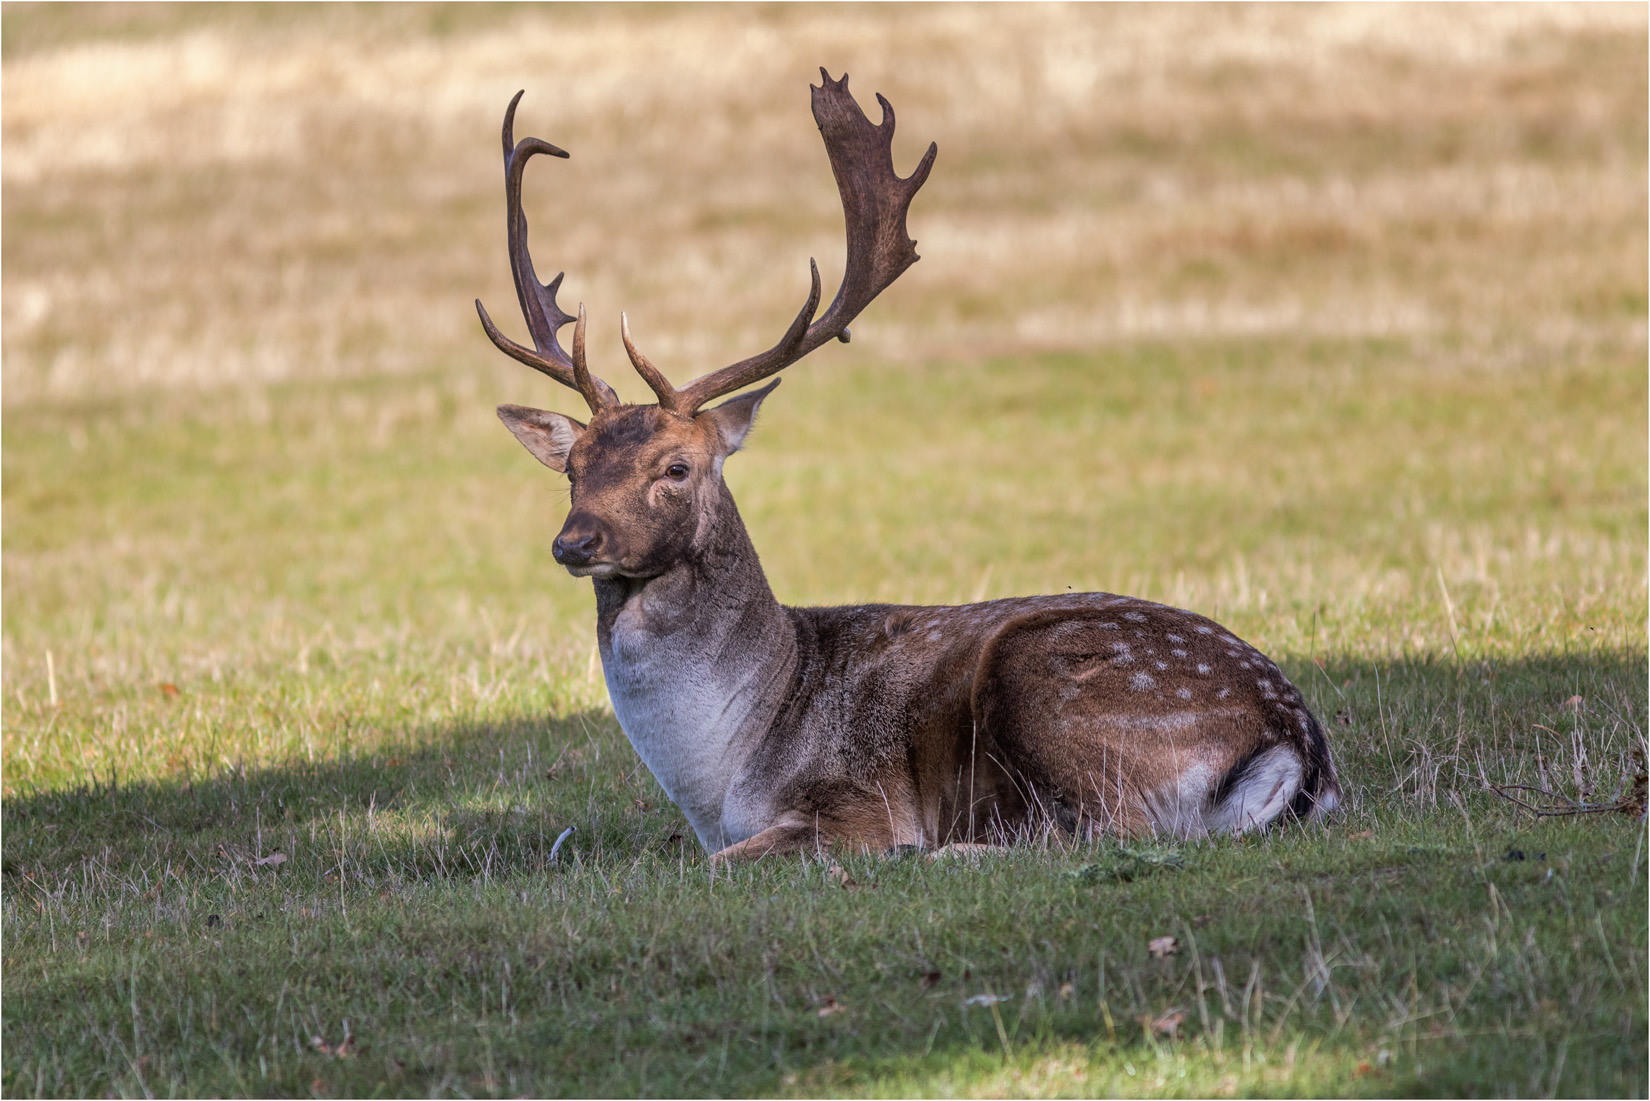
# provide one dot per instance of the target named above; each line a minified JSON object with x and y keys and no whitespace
{"x":875,"y":201}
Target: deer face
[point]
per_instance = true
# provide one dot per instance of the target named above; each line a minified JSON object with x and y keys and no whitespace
{"x":646,"y":484}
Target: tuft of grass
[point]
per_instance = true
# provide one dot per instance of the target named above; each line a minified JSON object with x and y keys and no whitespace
{"x":1328,"y":324}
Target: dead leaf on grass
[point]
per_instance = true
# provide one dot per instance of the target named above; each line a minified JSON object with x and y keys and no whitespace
{"x":272,"y":860}
{"x":931,"y":980}
{"x":1575,"y":703}
{"x":168,"y":690}
{"x":1361,"y":835}
{"x":830,"y":1006}
{"x":846,"y":881}
{"x":341,"y":1050}
{"x":1162,"y":947}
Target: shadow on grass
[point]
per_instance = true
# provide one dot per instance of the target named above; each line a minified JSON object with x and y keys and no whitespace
{"x":1406,"y":733}
{"x":498,"y":791}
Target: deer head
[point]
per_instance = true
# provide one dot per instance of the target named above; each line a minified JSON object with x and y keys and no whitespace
{"x":646,"y":480}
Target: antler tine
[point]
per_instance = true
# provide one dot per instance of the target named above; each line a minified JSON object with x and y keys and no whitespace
{"x":669,"y":396}
{"x":875,"y":201}
{"x":582,"y":378}
{"x":538,"y":301}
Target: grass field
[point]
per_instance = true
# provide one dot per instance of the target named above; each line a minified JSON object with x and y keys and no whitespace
{"x":1327,"y":322}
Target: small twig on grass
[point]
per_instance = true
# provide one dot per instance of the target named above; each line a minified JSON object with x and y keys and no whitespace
{"x":1555,"y":810}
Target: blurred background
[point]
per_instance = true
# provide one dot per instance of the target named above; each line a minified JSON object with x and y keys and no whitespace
{"x":1329,"y":320}
{"x":216,"y":197}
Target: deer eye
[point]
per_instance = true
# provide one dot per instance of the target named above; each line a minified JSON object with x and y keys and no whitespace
{"x":677,"y":472}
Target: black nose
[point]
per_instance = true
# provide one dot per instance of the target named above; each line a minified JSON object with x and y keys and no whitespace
{"x":577,"y":548}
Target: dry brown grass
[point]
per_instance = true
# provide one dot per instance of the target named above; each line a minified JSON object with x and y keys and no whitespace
{"x":207,"y":197}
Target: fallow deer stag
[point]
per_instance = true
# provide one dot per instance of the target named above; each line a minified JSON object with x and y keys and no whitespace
{"x":777,"y":729}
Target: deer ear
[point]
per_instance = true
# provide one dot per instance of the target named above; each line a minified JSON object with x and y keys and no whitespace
{"x":734,"y":417}
{"x":549,"y":436}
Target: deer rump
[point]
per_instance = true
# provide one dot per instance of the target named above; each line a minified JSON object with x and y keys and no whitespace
{"x":777,"y":729}
{"x":987,"y":723}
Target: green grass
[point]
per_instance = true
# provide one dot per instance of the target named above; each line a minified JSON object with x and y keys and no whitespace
{"x":378,"y":674}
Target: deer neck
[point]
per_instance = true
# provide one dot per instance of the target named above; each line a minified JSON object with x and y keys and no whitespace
{"x":695,"y":661}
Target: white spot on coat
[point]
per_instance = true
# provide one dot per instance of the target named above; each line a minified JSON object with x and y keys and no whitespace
{"x":1183,"y":693}
{"x":1142,"y":682}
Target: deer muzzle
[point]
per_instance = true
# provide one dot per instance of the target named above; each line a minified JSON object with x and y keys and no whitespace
{"x":580,"y":544}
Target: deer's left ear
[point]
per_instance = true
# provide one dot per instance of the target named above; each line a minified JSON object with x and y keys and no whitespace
{"x":734,"y":417}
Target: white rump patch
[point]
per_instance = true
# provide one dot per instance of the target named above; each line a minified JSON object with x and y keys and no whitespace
{"x":1270,"y":782}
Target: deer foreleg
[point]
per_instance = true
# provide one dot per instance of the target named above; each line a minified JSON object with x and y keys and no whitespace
{"x":773,"y":841}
